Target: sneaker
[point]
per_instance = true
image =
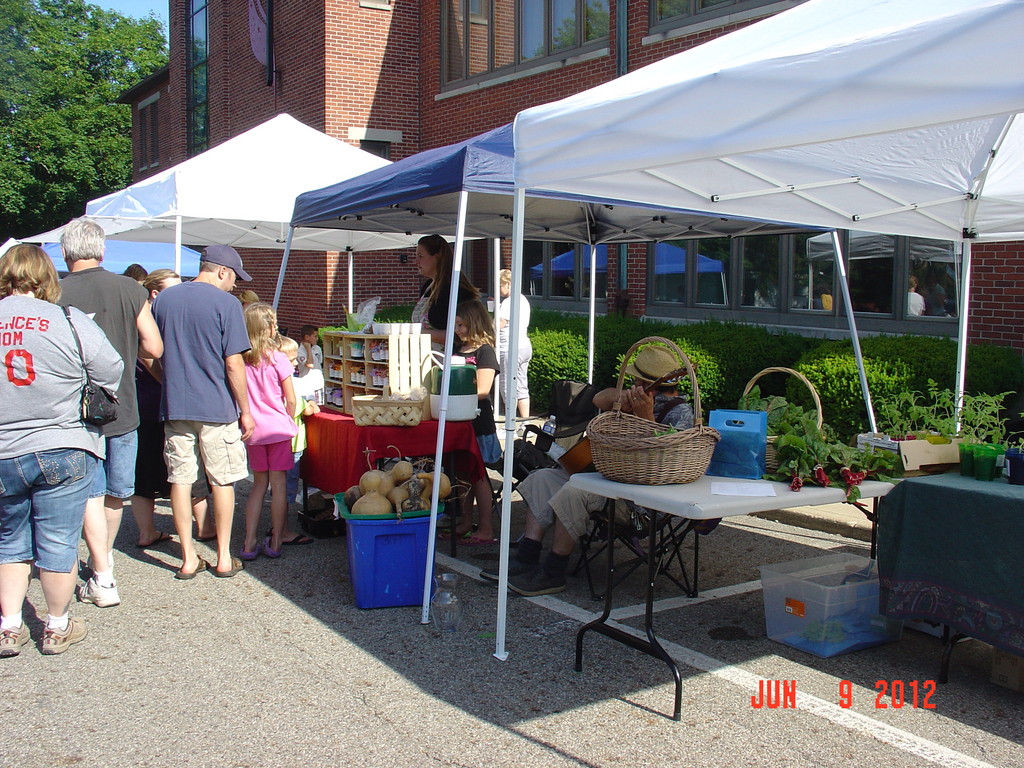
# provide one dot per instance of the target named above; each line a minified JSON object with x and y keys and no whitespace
{"x":55,"y":642}
{"x":13,"y":640}
{"x":537,"y":582}
{"x":516,"y":567}
{"x":101,"y":597}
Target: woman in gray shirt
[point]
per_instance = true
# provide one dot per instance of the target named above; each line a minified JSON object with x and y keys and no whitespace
{"x":47,"y":454}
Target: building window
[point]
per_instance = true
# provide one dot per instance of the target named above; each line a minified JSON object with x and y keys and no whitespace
{"x":197,"y":107}
{"x":562,"y":271}
{"x":485,"y":36}
{"x":677,"y":12}
{"x":378,"y":148}
{"x":149,"y":132}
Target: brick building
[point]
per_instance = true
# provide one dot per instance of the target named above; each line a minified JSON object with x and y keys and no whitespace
{"x":397,"y":76}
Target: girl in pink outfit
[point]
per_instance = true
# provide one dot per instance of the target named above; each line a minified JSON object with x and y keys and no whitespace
{"x":272,"y":401}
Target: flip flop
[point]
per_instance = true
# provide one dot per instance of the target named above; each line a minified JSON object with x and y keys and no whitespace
{"x":161,"y":537}
{"x":268,"y":551}
{"x":200,"y":567}
{"x":446,"y":536}
{"x":250,"y":555}
{"x":299,"y":539}
{"x":476,"y":541}
{"x":206,"y":538}
{"x":236,"y":568}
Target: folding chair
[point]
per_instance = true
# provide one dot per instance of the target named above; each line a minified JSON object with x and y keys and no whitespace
{"x":671,"y":533}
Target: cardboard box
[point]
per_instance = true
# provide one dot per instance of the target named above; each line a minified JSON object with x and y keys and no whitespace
{"x":1007,"y":670}
{"x":826,"y":605}
{"x":913,"y":453}
{"x":916,"y":454}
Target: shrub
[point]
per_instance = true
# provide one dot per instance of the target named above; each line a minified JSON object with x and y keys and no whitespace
{"x":556,"y":355}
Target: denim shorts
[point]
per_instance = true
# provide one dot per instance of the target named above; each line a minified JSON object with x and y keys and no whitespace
{"x":490,"y":448}
{"x":116,"y":474}
{"x":42,"y":503}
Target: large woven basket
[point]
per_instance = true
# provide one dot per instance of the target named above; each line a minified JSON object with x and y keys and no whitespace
{"x":771,"y":459}
{"x":629,"y":449}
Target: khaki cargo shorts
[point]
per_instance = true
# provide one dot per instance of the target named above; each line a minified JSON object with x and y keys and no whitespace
{"x":191,"y":445}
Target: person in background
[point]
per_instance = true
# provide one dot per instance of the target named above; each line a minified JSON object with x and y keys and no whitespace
{"x":915,"y":301}
{"x":118,"y":305}
{"x":150,"y":469}
{"x":304,"y":406}
{"x":435,"y":260}
{"x":268,"y":377}
{"x":247,"y":297}
{"x":552,"y":503}
{"x":204,"y":402}
{"x":476,"y":343}
{"x":136,"y":272}
{"x":48,"y":456}
{"x":525,"y":347}
{"x":309,"y":356}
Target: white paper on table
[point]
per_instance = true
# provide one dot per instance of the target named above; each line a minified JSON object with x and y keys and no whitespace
{"x":742,"y":489}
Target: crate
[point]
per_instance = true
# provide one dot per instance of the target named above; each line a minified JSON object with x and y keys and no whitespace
{"x":375,"y":411}
{"x":387,"y":560}
{"x":826,"y":605}
{"x":327,"y":528}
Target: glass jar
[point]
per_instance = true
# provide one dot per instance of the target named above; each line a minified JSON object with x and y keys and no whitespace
{"x":445,"y":606}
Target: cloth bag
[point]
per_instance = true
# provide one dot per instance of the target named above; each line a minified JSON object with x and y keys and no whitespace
{"x":741,"y":451}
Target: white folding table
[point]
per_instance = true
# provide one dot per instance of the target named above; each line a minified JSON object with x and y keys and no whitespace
{"x":699,"y":500}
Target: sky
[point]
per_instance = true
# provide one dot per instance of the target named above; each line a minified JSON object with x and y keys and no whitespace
{"x":138,"y":9}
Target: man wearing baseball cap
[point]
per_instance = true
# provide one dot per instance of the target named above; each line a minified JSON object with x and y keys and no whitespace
{"x":204,"y":403}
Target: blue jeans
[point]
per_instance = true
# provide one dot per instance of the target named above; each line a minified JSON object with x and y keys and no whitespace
{"x":116,"y":475}
{"x":292,"y":478}
{"x":42,"y":503}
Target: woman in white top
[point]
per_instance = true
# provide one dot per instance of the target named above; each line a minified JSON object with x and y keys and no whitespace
{"x":525,"y":348}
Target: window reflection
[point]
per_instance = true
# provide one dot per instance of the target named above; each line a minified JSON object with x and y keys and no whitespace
{"x":761,"y":271}
{"x":812,"y":282}
{"x":933,"y":268}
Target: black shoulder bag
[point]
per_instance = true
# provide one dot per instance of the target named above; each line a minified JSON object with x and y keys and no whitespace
{"x":99,"y":405}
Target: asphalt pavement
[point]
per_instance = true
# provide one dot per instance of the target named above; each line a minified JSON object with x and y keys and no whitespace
{"x":278,"y":667}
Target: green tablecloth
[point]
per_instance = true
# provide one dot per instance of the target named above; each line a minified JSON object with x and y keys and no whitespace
{"x":951,"y":550}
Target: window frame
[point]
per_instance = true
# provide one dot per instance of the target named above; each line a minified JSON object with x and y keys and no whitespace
{"x":194,"y":107}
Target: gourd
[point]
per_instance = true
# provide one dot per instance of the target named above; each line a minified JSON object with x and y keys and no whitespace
{"x":415,"y":500}
{"x":352,"y":495}
{"x":376,"y":480}
{"x":398,"y":495}
{"x":444,"y":488}
{"x":372,"y":503}
{"x":402,"y":471}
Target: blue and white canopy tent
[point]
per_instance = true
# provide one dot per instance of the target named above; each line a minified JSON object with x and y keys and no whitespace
{"x":466,"y":189}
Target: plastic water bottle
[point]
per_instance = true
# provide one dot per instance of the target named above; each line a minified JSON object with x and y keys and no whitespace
{"x":549,"y":425}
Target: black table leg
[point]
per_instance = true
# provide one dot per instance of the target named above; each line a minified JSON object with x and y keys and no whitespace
{"x":651,"y":646}
{"x":950,"y":639}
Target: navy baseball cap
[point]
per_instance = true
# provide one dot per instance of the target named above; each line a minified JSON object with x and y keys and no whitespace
{"x":225,"y":256}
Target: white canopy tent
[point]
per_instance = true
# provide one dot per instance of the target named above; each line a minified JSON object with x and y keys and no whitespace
{"x":241,"y":193}
{"x":891,"y":116}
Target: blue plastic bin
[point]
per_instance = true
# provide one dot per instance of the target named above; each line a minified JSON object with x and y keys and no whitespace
{"x":387,"y":560}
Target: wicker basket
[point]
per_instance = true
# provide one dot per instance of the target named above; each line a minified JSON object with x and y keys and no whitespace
{"x":771,"y":459}
{"x":628,"y":449}
{"x":375,"y":411}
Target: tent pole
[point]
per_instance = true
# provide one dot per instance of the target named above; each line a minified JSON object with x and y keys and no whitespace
{"x":351,"y":279}
{"x":961,"y":340}
{"x":177,"y":244}
{"x":844,"y":283}
{"x":284,"y":266}
{"x":496,"y":293}
{"x":518,"y":213}
{"x":592,"y":313}
{"x":446,"y":376}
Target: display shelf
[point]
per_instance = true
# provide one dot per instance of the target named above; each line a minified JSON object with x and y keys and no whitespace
{"x":372,"y":364}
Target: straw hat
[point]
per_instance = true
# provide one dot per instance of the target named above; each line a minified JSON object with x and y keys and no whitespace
{"x":652,"y":362}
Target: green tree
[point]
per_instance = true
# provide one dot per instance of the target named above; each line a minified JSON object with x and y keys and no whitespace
{"x":63,"y":139}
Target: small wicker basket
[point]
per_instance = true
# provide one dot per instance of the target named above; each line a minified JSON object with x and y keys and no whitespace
{"x":375,"y":411}
{"x":771,"y":459}
{"x":629,"y":449}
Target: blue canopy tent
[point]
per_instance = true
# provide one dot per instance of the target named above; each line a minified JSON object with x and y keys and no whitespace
{"x":467,"y":189}
{"x":121,"y":253}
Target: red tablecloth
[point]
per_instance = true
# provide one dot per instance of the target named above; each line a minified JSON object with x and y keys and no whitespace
{"x":334,"y":457}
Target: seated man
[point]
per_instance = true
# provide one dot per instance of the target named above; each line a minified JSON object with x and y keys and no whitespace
{"x":551,"y":501}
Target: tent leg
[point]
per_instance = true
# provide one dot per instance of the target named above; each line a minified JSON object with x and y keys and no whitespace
{"x":844,"y":283}
{"x":284,"y":266}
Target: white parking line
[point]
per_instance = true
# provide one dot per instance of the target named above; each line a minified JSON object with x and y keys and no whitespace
{"x":852,"y":721}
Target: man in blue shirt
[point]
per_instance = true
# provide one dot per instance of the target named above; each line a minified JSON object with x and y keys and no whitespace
{"x":204,"y":403}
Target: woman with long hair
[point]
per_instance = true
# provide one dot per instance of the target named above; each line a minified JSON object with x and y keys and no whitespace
{"x":435,"y":260}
